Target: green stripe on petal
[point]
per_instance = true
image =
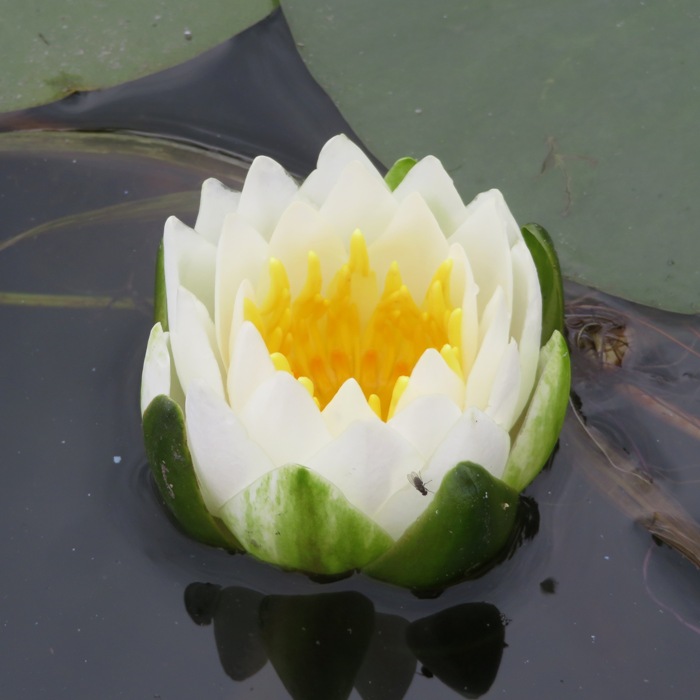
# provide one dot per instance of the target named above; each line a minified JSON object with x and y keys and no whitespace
{"x":467,"y":524}
{"x":296,"y":519}
{"x":539,"y":431}
{"x":160,"y":300}
{"x":398,"y":172}
{"x":171,"y":466}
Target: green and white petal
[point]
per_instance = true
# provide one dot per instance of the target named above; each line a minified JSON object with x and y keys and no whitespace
{"x":538,"y":434}
{"x":216,"y":202}
{"x":430,"y":179}
{"x":284,"y":420}
{"x":226,"y":460}
{"x":155,"y":378}
{"x":296,"y":519}
{"x":193,"y":341}
{"x":348,"y":405}
{"x":368,"y":463}
{"x":415,"y":241}
{"x":189,"y":260}
{"x":267,"y":191}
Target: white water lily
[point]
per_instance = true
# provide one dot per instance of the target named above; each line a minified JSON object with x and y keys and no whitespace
{"x":338,"y":347}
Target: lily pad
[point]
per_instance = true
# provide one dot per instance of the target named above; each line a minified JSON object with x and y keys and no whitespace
{"x":584,"y":115}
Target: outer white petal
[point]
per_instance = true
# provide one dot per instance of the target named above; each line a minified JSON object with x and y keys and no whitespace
{"x":334,"y":157}
{"x":431,"y":375}
{"x":194,"y":344}
{"x":155,"y":378}
{"x":301,"y":229}
{"x":415,"y":241}
{"x":267,"y":192}
{"x":505,"y":390}
{"x":250,"y":366}
{"x":485,"y":236}
{"x":347,"y":406}
{"x":284,"y":420}
{"x":430,"y":179}
{"x":368,"y":462}
{"x":188,"y":260}
{"x":426,"y":422}
{"x":494,"y":334}
{"x":359,"y":201}
{"x":225,"y":459}
{"x":242,"y":254}
{"x":215,"y":203}
{"x":526,"y":325}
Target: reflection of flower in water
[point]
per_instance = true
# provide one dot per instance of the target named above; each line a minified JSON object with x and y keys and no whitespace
{"x":321,"y":646}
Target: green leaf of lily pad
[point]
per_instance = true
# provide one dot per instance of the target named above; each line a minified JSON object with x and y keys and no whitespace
{"x":542,"y":250}
{"x":398,"y":172}
{"x":538,"y":433}
{"x":468,"y":522}
{"x":171,"y":466}
{"x":296,"y":519}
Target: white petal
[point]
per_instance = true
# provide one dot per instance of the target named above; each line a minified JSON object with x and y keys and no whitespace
{"x":526,"y":324}
{"x":334,"y":157}
{"x":430,"y":179}
{"x":250,"y":366}
{"x":225,"y":459}
{"x":302,"y":229}
{"x":464,"y":293}
{"x":194,"y":344}
{"x":215,"y":203}
{"x":242,"y":254}
{"x":245,"y":291}
{"x":415,"y":241}
{"x":485,"y":236}
{"x":403,"y":507}
{"x":348,"y":405}
{"x":431,"y":375}
{"x":368,"y":462}
{"x":506,"y":388}
{"x":284,"y":420}
{"x":188,"y":260}
{"x":155,"y":378}
{"x":267,"y":192}
{"x":426,"y":422}
{"x":359,"y":201}
{"x":494,"y":332}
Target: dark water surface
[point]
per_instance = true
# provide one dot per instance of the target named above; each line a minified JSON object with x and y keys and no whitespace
{"x":102,"y":597}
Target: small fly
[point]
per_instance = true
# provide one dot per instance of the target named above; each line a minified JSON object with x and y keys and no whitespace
{"x":415,"y":480}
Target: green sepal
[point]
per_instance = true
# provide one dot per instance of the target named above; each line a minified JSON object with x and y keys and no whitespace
{"x":295,"y":518}
{"x":467,"y":524}
{"x":542,"y":250}
{"x":539,"y":430}
{"x":171,"y":466}
{"x":160,"y":299}
{"x":398,"y":172}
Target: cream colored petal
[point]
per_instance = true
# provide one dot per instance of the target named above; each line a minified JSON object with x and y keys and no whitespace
{"x":267,"y":191}
{"x":250,"y":366}
{"x":485,"y":236}
{"x":188,"y":260}
{"x":426,"y":422}
{"x":403,"y":507}
{"x":302,"y":229}
{"x":225,"y":459}
{"x":216,"y":202}
{"x":242,"y":254}
{"x":505,"y":390}
{"x":245,"y":291}
{"x":431,"y":375}
{"x":464,"y":293}
{"x":526,"y":324}
{"x":284,"y":420}
{"x":334,"y":157}
{"x":367,"y":462}
{"x":348,"y":405}
{"x":155,"y":378}
{"x":359,"y":200}
{"x":415,"y":241}
{"x":193,"y":343}
{"x":430,"y":179}
{"x":494,"y":332}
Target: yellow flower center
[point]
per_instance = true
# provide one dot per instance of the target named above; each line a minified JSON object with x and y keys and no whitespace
{"x":323,"y":340}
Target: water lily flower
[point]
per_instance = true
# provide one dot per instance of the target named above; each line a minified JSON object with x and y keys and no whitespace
{"x":356,"y":372}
